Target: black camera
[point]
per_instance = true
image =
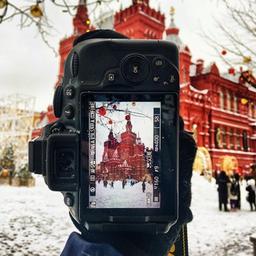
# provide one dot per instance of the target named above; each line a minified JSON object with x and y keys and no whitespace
{"x":113,"y":152}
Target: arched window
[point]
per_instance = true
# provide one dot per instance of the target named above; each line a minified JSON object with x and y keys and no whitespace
{"x":194,"y":130}
{"x":238,"y":142}
{"x":218,"y":137}
{"x":224,"y":137}
{"x":235,"y":104}
{"x":221,"y":100}
{"x":245,"y":140}
{"x":253,"y":110}
{"x":228,"y":101}
{"x":250,"y":109}
{"x":231,"y":138}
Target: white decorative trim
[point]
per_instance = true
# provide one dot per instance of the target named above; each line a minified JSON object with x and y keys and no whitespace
{"x":232,"y":151}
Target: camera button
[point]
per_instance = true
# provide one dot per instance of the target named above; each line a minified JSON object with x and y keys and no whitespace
{"x":111,"y":77}
{"x":69,"y":111}
{"x":156,"y":79}
{"x":159,"y":62}
{"x":69,"y":200}
{"x":165,"y":83}
{"x":70,"y":92}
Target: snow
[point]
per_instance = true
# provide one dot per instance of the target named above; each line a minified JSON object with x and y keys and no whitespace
{"x":35,"y":222}
{"x":192,"y":88}
{"x":215,"y":233}
{"x":231,"y":77}
{"x":118,"y":197}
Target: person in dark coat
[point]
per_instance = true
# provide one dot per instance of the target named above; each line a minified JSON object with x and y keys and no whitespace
{"x":234,"y":193}
{"x":237,"y":177}
{"x":251,"y":193}
{"x":222,"y":182}
{"x":143,"y":186}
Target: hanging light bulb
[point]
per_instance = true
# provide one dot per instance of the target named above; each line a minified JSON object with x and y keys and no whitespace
{"x":223,"y":52}
{"x":102,"y":111}
{"x":247,"y":59}
{"x":3,"y":3}
{"x":88,"y":22}
{"x":231,"y":71}
{"x":244,"y":101}
{"x":36,"y":11}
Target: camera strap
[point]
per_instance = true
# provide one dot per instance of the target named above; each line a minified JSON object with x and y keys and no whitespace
{"x":180,"y":247}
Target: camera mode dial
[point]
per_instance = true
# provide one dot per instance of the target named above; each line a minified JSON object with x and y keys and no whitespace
{"x":135,"y":68}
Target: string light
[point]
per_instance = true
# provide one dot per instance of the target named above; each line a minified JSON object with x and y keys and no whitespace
{"x":244,"y":101}
{"x":36,"y":11}
{"x":3,"y":3}
{"x":247,"y":59}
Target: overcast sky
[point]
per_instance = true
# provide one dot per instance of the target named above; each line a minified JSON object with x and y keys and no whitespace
{"x":29,"y":67}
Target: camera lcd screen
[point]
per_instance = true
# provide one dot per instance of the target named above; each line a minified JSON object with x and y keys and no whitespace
{"x":124,"y":154}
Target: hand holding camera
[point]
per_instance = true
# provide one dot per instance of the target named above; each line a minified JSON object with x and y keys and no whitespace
{"x":114,"y":151}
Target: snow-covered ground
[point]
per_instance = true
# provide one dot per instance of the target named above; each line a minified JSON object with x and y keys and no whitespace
{"x":214,"y":233}
{"x":35,"y":222}
{"x":129,"y":196}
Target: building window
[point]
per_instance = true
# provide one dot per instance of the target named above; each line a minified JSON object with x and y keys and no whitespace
{"x":231,"y":139}
{"x":218,"y":137}
{"x":235,"y":104}
{"x":238,"y":144}
{"x":252,"y":110}
{"x":221,"y":100}
{"x":224,"y":137}
{"x":245,"y":141}
{"x":228,"y":101}
{"x":194,"y":130}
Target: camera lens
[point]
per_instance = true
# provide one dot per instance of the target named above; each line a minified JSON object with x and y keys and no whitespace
{"x":135,"y":68}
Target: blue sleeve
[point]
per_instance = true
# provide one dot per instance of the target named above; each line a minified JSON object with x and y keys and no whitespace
{"x":77,"y":246}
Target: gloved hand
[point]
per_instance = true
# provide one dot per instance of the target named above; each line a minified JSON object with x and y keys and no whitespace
{"x":139,"y":244}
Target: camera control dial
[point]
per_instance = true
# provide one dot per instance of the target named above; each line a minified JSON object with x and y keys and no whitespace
{"x":57,"y":101}
{"x":69,"y":111}
{"x":135,"y":68}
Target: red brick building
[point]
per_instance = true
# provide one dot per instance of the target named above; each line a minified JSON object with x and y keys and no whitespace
{"x":219,"y":108}
{"x":124,"y":159}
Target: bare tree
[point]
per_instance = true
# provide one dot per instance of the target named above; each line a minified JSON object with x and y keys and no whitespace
{"x":35,"y":13}
{"x":236,"y":42}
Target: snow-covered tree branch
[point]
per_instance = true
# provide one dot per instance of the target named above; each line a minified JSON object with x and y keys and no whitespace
{"x":236,"y":42}
{"x":34,"y":13}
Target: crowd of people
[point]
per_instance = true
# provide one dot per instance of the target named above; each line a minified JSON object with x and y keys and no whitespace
{"x":229,"y":191}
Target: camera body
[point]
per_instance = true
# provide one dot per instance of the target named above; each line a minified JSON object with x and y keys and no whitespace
{"x":110,"y":88}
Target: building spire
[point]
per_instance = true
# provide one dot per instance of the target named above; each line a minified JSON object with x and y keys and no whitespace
{"x":129,"y":126}
{"x":145,"y":2}
{"x":172,"y":32}
{"x":81,"y":20}
{"x":172,"y":27}
{"x":82,"y":2}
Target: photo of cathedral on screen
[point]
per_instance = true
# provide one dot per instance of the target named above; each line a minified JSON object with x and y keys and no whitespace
{"x":127,"y":159}
{"x":124,"y":166}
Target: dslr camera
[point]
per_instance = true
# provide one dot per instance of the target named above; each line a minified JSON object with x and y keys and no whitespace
{"x":113,"y":152}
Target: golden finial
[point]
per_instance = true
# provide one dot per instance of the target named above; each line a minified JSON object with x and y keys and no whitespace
{"x":172,"y":11}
